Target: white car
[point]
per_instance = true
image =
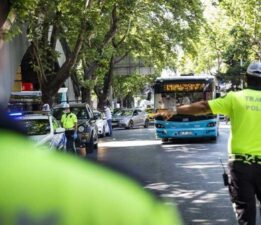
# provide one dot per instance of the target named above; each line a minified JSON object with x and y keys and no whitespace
{"x":42,"y":128}
{"x":101,"y":122}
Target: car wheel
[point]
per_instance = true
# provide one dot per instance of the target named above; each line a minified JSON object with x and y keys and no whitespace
{"x":90,"y":146}
{"x":130,"y":125}
{"x":146,"y":125}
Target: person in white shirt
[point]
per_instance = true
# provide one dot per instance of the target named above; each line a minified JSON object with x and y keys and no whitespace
{"x":108,"y":116}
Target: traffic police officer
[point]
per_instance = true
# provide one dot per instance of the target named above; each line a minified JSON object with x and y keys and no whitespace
{"x":69,"y":122}
{"x":244,"y":110}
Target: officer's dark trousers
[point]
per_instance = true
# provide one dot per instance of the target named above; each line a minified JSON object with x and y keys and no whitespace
{"x":70,"y":143}
{"x":245,"y":188}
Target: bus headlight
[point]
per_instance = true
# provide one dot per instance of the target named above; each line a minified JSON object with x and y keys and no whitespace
{"x":158,"y":125}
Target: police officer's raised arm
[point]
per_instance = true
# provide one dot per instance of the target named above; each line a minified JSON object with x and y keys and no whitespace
{"x":197,"y":108}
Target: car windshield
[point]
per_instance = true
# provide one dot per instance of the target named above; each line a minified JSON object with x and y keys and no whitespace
{"x":126,"y":113}
{"x":36,"y":126}
{"x":116,"y":112}
{"x":80,"y":112}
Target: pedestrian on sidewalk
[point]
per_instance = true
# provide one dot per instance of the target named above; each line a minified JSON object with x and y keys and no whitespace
{"x":108,"y":116}
{"x":244,"y":110}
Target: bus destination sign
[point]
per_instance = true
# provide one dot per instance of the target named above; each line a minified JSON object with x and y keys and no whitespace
{"x":183,"y":87}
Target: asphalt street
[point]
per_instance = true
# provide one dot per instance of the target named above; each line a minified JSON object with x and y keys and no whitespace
{"x":188,"y":173}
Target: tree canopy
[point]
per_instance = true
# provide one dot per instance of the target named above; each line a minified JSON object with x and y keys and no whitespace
{"x":96,"y":35}
{"x":229,"y":40}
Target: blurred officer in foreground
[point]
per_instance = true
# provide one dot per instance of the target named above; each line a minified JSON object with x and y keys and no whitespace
{"x":69,"y":122}
{"x":43,"y":187}
{"x":244,"y":110}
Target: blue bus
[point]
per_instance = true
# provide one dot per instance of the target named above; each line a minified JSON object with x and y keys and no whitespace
{"x":181,"y":90}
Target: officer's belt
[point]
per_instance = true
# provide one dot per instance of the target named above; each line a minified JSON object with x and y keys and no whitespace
{"x":245,"y":158}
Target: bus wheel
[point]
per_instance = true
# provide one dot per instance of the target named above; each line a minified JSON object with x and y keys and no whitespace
{"x":213,"y":139}
{"x":164,"y":140}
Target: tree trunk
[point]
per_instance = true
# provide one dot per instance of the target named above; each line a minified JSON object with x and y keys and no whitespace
{"x":76,"y":85}
{"x":48,"y":96}
{"x":101,"y":104}
{"x":107,"y":82}
{"x":51,"y":86}
{"x":64,"y":72}
{"x":108,"y":78}
{"x":86,"y":95}
{"x":4,"y":11}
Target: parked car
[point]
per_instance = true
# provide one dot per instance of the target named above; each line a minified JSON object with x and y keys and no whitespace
{"x":115,"y":117}
{"x":101,"y":122}
{"x":87,"y":128}
{"x":130,"y":118}
{"x":42,"y":128}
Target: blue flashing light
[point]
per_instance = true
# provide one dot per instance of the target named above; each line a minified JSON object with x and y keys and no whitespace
{"x":15,"y":114}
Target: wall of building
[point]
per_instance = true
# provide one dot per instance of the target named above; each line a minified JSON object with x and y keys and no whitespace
{"x":11,"y":54}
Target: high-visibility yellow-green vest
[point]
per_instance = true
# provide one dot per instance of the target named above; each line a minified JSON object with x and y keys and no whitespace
{"x":68,"y":120}
{"x":244,"y":110}
{"x":43,"y":187}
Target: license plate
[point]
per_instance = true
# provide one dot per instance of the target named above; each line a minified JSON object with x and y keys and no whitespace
{"x":185,"y":133}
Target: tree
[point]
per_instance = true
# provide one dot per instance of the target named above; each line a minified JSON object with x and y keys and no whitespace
{"x":229,"y":40}
{"x":49,"y":21}
{"x":149,"y":30}
{"x":246,"y":17}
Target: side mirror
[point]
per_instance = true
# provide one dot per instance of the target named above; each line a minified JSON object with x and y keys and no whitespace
{"x":59,"y":130}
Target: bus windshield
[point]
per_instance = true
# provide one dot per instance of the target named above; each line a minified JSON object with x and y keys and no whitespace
{"x":178,"y":92}
{"x":168,"y":100}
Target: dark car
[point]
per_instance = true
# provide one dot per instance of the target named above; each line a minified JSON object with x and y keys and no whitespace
{"x":87,"y":129}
